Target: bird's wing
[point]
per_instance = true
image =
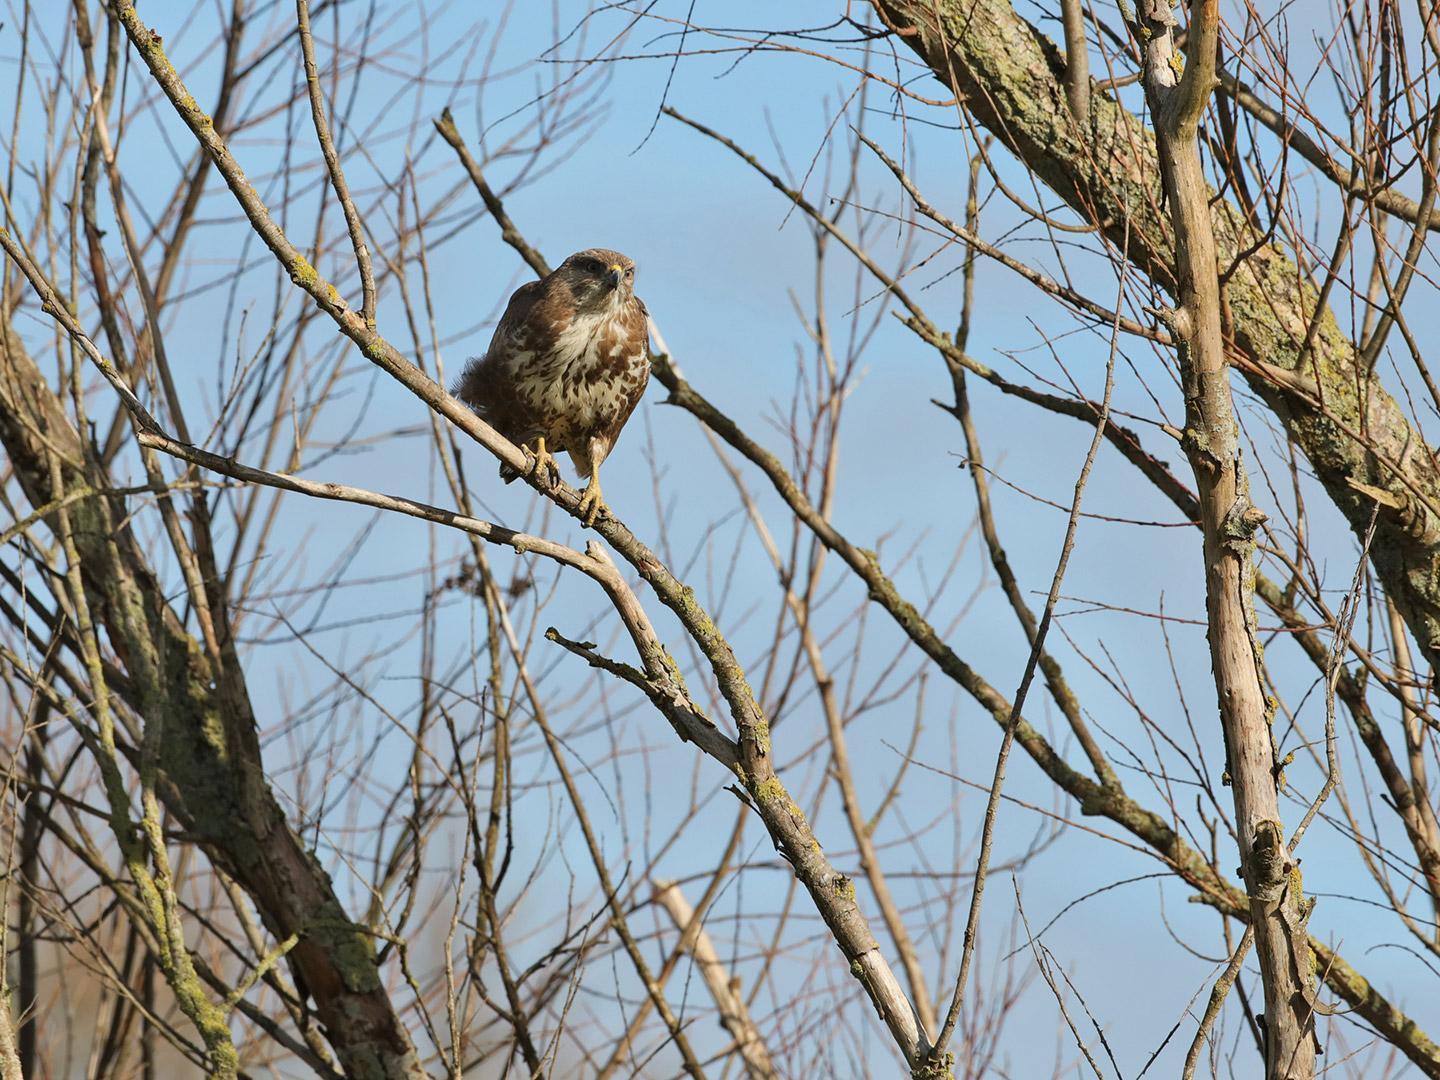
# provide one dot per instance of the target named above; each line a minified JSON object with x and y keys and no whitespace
{"x":637,"y":360}
{"x":483,"y":379}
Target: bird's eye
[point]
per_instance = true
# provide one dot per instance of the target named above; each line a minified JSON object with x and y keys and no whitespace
{"x":630,"y":272}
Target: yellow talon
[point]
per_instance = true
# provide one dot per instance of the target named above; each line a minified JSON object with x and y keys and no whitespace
{"x":540,"y":458}
{"x":592,"y":502}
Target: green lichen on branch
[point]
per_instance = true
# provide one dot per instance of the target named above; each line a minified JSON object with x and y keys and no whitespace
{"x":1280,"y":770}
{"x":760,"y":730}
{"x":304,"y":275}
{"x":353,"y":950}
{"x":675,"y":673}
{"x":939,"y":1069}
{"x":769,"y":790}
{"x":772,"y":792}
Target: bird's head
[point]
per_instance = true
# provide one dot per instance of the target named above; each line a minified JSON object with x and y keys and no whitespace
{"x":599,"y":278}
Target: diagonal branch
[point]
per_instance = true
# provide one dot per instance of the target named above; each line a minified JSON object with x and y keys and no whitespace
{"x":332,"y":164}
{"x":1353,"y":431}
{"x":782,"y":816}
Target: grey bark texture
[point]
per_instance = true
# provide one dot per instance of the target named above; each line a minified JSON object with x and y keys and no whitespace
{"x":1278,"y":910}
{"x":1267,"y":320}
{"x":1296,"y":358}
{"x":210,"y":772}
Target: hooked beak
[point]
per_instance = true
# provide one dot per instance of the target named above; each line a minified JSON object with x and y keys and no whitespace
{"x":614,"y":275}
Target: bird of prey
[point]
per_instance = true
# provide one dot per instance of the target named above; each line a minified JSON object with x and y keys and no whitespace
{"x":566,"y":367}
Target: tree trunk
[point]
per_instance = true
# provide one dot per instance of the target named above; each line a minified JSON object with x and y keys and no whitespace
{"x":994,"y":61}
{"x":1229,"y":519}
{"x":212,"y":777}
{"x":1296,"y":358}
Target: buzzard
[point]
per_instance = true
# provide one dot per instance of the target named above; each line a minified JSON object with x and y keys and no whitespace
{"x":566,"y":367}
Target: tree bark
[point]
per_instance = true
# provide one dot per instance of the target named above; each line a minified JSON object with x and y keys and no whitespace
{"x":212,"y":777}
{"x":734,"y":1016}
{"x":1228,"y":518}
{"x":1296,"y":358}
{"x":1103,"y":164}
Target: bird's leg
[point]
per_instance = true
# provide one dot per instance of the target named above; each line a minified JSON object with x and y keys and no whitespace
{"x":540,"y":458}
{"x":592,"y":502}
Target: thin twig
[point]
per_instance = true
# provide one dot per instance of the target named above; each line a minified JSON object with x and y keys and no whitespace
{"x":1349,"y":609}
{"x":992,"y":805}
{"x":1217,"y":998}
{"x":332,"y":163}
{"x":445,"y":125}
{"x":733,"y":1013}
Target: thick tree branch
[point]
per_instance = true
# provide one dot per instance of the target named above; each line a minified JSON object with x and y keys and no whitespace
{"x":1353,"y":431}
{"x":1278,"y":910}
{"x":782,"y":816}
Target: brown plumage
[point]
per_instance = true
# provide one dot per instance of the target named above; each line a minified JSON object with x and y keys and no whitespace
{"x":566,"y":367}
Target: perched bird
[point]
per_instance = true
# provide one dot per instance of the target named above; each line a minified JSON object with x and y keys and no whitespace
{"x":566,"y":367}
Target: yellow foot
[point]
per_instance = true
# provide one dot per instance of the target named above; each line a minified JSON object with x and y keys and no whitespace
{"x":592,"y":502}
{"x":540,"y":459}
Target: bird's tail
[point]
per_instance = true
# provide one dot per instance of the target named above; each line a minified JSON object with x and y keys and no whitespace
{"x":467,"y":388}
